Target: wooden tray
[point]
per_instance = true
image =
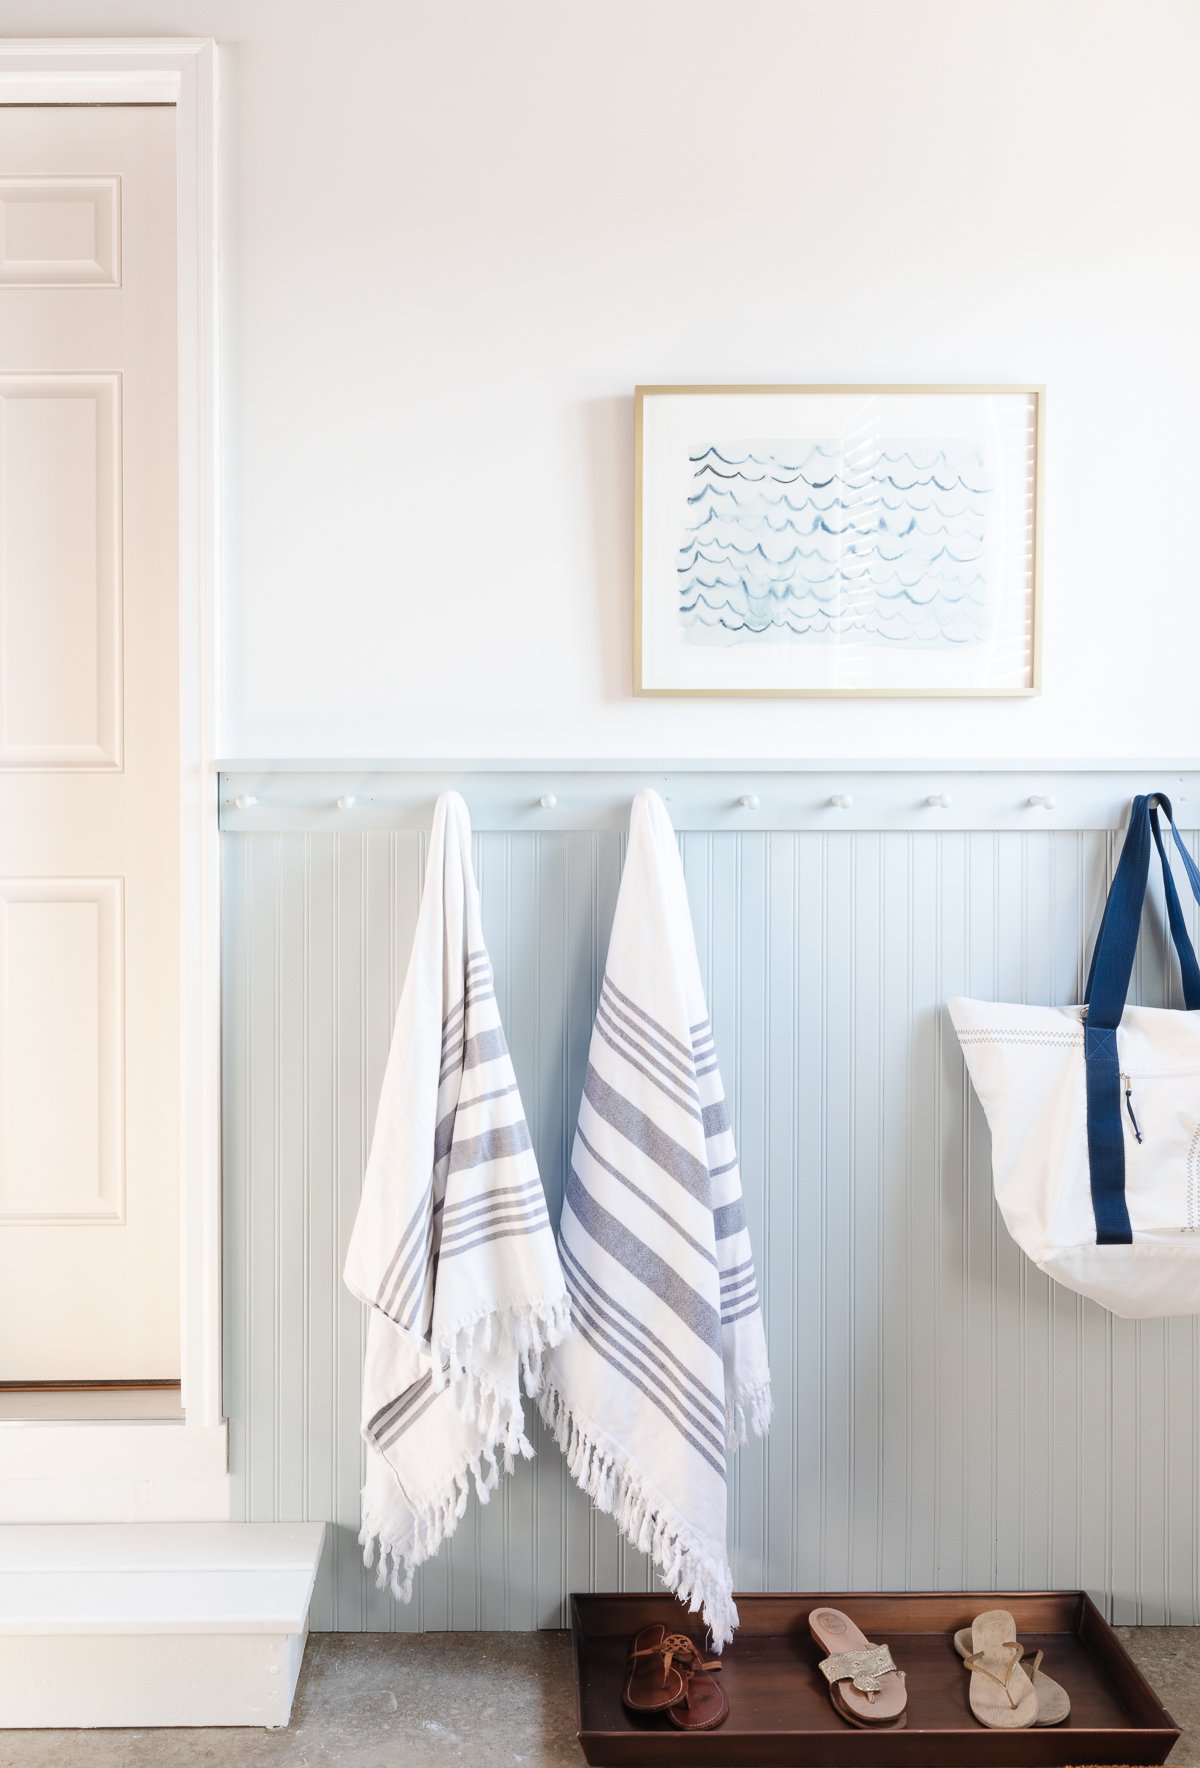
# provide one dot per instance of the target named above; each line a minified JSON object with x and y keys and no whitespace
{"x":779,"y":1702}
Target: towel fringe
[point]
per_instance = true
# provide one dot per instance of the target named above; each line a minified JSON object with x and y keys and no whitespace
{"x":399,"y":1559}
{"x":534,"y":1329}
{"x":754,"y":1403}
{"x":616,"y":1488}
{"x":498,"y":1412}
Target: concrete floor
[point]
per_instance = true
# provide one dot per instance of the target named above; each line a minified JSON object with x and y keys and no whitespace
{"x":499,"y":1698}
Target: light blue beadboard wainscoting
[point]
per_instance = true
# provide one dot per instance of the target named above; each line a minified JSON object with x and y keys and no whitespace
{"x":945,"y":1417}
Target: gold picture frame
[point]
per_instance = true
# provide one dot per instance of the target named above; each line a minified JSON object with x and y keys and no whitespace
{"x":1008,"y":438}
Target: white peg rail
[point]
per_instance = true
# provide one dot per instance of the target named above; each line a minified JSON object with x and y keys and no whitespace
{"x":535,"y":796}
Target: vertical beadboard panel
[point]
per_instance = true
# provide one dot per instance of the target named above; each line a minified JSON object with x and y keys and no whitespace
{"x":945,"y":1416}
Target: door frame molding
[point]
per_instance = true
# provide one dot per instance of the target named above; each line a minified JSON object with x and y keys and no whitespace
{"x":179,"y":71}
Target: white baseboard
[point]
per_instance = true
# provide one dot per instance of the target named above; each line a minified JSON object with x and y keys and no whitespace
{"x":115,"y":1500}
{"x":52,"y":1471}
{"x":153,"y":1624}
{"x":149,"y":1679}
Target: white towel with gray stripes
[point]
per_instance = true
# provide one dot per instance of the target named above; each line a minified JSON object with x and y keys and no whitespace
{"x":666,"y":1367}
{"x":452,"y":1249}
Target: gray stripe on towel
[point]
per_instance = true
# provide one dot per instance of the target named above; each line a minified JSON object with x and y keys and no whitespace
{"x":651,"y":1394}
{"x":406,"y":1423}
{"x":577,"y":1275}
{"x":500,"y":1143}
{"x":508,"y":1215}
{"x":682,"y":1062}
{"x":732,"y":1319}
{"x":485,"y":1046}
{"x":482,"y":1199}
{"x":729,"y":1219}
{"x":386,"y":1293}
{"x":643,"y":1263}
{"x":542,"y":1225}
{"x":623,"y":1051}
{"x":646,"y":1135}
{"x":716,"y":1118}
{"x":641,"y":1196}
{"x":400,"y":1404}
{"x":646,"y":1047}
{"x":686,"y":1420}
{"x":642,"y":1014}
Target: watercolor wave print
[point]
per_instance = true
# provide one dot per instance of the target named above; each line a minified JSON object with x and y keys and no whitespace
{"x":826,"y":541}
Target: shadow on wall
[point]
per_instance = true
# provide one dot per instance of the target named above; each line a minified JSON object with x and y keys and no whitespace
{"x":608,"y":498}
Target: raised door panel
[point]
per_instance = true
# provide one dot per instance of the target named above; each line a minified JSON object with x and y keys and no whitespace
{"x":60,"y":571}
{"x":60,"y":232}
{"x":62,"y":1099}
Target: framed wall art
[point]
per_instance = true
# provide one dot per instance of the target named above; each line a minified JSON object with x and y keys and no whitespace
{"x":838,"y":540}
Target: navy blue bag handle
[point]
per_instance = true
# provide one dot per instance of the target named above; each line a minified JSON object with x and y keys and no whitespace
{"x":1107,"y":988}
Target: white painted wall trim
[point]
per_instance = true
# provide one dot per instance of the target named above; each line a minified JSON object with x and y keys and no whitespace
{"x":929,"y":797}
{"x":182,"y":72}
{"x":153,"y":1472}
{"x":152,"y":1450}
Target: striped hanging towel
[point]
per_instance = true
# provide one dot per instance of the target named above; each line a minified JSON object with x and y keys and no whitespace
{"x":452,"y":1249}
{"x":667,"y":1363}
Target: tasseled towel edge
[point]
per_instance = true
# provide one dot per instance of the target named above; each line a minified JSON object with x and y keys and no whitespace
{"x":750,"y":1410}
{"x":500,"y":1419}
{"x":398,"y":1560}
{"x":697,"y":1579}
{"x":534,"y":1330}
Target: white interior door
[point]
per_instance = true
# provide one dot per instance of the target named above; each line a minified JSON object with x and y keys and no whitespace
{"x":89,"y":746}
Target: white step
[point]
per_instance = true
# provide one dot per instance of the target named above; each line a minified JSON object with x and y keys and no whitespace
{"x":139,"y":1624}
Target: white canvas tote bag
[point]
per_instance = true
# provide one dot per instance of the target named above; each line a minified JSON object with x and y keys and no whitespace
{"x":1095,"y":1110}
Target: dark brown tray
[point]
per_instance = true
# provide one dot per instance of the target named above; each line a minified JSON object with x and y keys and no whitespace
{"x":779,"y":1702}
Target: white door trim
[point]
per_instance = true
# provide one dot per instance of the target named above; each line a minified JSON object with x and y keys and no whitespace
{"x":179,"y":71}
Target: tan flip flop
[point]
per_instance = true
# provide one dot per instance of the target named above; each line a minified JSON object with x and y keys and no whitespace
{"x":653,"y":1682}
{"x":865,"y":1686}
{"x":704,"y":1705}
{"x":1054,"y":1703}
{"x":1001,"y":1694}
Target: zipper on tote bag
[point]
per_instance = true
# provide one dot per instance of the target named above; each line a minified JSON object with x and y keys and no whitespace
{"x":1129,"y":1105}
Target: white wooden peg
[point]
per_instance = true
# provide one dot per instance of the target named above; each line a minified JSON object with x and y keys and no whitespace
{"x":347,"y":801}
{"x":841,"y":801}
{"x":939,"y":800}
{"x":1042,"y":801}
{"x":245,"y":801}
{"x":748,"y":801}
{"x":547,"y":800}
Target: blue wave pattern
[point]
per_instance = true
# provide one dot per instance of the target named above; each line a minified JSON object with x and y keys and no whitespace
{"x":825,"y":540}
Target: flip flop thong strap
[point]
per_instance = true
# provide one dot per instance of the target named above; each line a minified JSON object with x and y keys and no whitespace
{"x":861,"y":1668}
{"x":677,"y":1648}
{"x":973,"y":1661}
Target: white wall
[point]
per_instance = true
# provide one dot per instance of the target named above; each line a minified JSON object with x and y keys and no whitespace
{"x":456,"y":234}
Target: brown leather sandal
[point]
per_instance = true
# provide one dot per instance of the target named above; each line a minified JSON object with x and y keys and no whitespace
{"x":654,"y":1681}
{"x":865,"y":1686}
{"x":704,"y":1705}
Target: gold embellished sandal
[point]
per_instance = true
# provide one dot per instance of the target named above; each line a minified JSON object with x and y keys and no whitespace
{"x":865,"y":1687}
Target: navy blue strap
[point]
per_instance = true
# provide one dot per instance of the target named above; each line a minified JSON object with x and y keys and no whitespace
{"x":1189,"y":969}
{"x":1116,"y":942}
{"x":1107,"y":988}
